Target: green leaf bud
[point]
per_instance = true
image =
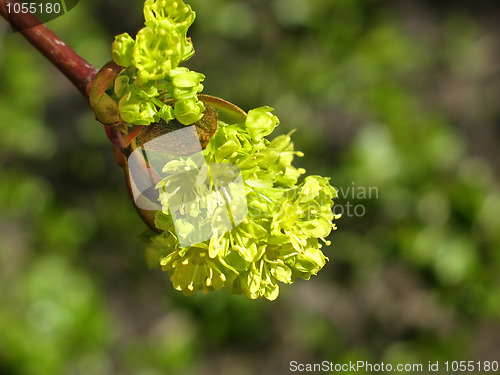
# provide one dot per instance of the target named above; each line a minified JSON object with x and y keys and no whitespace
{"x":122,"y":85}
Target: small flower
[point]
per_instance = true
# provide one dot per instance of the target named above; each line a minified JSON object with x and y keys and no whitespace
{"x":184,"y":84}
{"x":261,"y":122}
{"x":176,"y":12}
{"x":136,"y":110}
{"x":193,"y":270}
{"x":166,"y":113}
{"x":172,"y":14}
{"x":157,"y":50}
{"x":188,"y":111}
{"x":122,"y":49}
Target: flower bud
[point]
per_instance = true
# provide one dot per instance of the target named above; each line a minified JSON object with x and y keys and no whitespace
{"x":122,"y":49}
{"x":184,"y":84}
{"x":188,"y":111}
{"x":260,"y":122}
{"x":308,"y":263}
{"x":135,"y":110}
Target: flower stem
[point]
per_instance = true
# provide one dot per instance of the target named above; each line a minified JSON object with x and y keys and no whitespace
{"x":72,"y":65}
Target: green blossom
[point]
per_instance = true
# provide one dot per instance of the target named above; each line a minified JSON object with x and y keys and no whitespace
{"x":279,"y":236}
{"x":171,"y":14}
{"x":176,"y":12}
{"x":188,"y":111}
{"x":157,"y":50}
{"x":279,"y":241}
{"x":136,"y":110}
{"x":144,"y":90}
{"x":260,"y":122}
{"x":122,"y":49}
{"x":152,"y":76}
{"x":166,"y":113}
{"x":184,"y":84}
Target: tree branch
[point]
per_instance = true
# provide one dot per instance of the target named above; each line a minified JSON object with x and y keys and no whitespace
{"x":72,"y":65}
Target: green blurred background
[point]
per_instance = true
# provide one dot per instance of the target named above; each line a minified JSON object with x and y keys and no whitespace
{"x":399,"y":96}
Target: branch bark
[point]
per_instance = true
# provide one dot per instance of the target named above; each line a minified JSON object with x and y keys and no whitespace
{"x":72,"y":65}
{"x":62,"y":56}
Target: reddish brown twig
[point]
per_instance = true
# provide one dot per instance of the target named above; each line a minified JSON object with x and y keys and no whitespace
{"x":72,"y":65}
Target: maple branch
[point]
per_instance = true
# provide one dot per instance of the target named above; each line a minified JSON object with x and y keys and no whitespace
{"x":72,"y":65}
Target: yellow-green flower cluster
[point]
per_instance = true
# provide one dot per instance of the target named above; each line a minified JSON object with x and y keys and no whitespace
{"x":279,"y":239}
{"x":152,"y":75}
{"x":276,"y":237}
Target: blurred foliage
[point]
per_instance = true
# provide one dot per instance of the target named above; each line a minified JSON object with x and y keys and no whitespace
{"x":397,"y":96}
